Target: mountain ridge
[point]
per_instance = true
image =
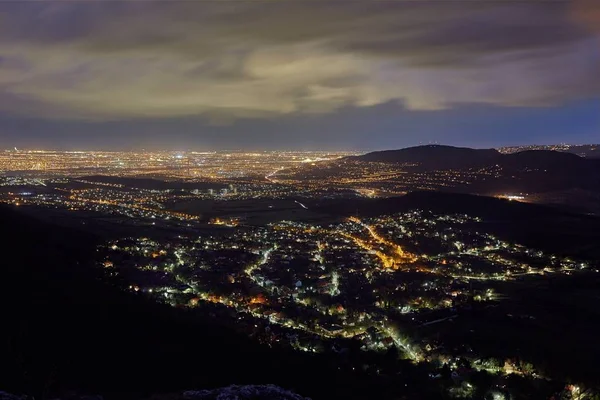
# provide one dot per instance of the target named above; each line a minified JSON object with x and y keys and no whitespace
{"x":432,"y":157}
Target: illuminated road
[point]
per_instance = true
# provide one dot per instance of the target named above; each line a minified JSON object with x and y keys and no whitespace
{"x":270,"y":175}
{"x":335,"y":284}
{"x":397,"y":249}
{"x":398,"y":257}
{"x":265,"y":259}
{"x":406,"y":347}
{"x":300,"y":204}
{"x":386,"y":261}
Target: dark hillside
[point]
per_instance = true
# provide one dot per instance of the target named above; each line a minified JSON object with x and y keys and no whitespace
{"x":435,"y":156}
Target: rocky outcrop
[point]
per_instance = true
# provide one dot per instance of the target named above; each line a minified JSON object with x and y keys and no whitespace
{"x":234,"y":392}
{"x":8,"y":396}
{"x":248,"y":392}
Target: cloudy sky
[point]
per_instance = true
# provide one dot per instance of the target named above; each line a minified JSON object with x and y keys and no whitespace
{"x":305,"y":74}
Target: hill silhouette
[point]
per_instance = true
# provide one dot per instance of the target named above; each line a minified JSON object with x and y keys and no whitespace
{"x":546,"y":177}
{"x":440,"y":157}
{"x":434,"y":156}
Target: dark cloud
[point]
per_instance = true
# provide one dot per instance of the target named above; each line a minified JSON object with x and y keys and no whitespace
{"x":228,"y":60}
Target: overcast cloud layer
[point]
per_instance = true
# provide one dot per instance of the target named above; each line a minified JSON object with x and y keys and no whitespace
{"x":238,"y":59}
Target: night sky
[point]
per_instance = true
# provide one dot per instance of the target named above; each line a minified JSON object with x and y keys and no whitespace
{"x":298,"y":74}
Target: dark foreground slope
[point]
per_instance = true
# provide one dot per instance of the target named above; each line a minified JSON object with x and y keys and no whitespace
{"x":67,"y":327}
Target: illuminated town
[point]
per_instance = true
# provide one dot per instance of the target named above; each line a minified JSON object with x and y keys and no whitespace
{"x":90,"y":180}
{"x":250,"y":235}
{"x":590,"y":150}
{"x":312,"y":286}
{"x":194,"y":165}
